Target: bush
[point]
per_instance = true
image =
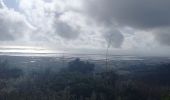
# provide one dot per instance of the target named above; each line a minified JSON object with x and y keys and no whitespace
{"x":7,"y":72}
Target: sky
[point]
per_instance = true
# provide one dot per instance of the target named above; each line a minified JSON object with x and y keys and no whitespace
{"x":127,"y":27}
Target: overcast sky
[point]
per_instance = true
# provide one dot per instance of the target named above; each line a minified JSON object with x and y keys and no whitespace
{"x":126,"y":26}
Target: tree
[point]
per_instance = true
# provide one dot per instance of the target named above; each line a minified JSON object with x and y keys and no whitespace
{"x":80,"y":66}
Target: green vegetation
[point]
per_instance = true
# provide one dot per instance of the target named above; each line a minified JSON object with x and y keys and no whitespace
{"x":78,"y":81}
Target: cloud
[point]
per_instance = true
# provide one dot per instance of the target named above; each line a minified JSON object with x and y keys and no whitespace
{"x":139,"y":14}
{"x":47,"y":18}
{"x":66,"y":31}
{"x":61,"y":21}
{"x":162,"y":35}
{"x":114,"y":38}
{"x":143,"y":15}
{"x":13,"y":25}
{"x":1,"y":4}
{"x":90,"y":24}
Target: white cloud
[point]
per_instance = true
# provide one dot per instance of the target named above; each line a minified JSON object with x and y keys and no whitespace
{"x":13,"y":25}
{"x":73,"y":24}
